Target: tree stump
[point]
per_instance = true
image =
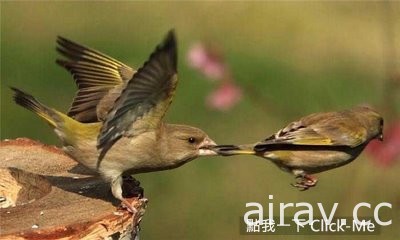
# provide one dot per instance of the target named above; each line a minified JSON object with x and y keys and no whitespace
{"x":44,"y":194}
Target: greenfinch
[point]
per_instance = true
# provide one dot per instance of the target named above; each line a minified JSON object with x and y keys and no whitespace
{"x":315,"y":143}
{"x":115,"y":124}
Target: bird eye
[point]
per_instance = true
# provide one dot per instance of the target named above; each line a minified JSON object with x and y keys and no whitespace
{"x":191,"y":140}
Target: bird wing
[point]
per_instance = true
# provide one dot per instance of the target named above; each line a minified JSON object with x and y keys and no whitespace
{"x":321,"y":129}
{"x":95,"y":74}
{"x":145,"y":99}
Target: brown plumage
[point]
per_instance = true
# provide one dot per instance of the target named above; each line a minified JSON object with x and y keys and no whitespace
{"x":116,"y":126}
{"x":100,"y":80}
{"x":316,"y":143}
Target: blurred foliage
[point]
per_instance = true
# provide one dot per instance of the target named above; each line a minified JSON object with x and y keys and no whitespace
{"x":303,"y":57}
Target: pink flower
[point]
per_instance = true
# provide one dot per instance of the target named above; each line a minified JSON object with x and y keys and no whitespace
{"x":224,"y":97}
{"x":210,"y":62}
{"x":206,"y":60}
{"x":386,"y":152}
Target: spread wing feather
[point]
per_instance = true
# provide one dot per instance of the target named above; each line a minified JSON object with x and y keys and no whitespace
{"x":145,"y":99}
{"x":95,"y":74}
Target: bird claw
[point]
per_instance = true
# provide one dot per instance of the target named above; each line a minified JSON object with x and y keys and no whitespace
{"x":304,"y":182}
{"x":301,"y":187}
{"x":126,"y":204}
{"x":131,"y":192}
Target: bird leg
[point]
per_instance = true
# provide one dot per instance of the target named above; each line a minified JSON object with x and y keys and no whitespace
{"x":304,"y":182}
{"x":131,"y":191}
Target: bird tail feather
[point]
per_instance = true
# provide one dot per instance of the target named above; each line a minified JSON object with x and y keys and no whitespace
{"x":66,"y":128}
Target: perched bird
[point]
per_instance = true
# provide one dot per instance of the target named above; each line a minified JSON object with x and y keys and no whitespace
{"x":115,"y":123}
{"x":316,"y":143}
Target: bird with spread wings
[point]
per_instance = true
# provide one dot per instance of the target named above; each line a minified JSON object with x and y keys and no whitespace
{"x":115,"y":123}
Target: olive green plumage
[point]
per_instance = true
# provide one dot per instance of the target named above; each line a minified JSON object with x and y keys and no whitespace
{"x":115,"y":124}
{"x":316,"y":143}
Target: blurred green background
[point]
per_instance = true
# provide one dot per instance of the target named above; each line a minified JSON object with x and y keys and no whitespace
{"x":303,"y":57}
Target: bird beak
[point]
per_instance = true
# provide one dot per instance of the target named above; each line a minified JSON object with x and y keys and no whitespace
{"x":205,"y":148}
{"x":225,"y":150}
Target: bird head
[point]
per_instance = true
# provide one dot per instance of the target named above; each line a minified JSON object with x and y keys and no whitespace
{"x":372,"y":120}
{"x":184,"y":143}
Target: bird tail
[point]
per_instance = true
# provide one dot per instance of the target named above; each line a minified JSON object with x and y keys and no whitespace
{"x":66,"y":128}
{"x":229,"y":150}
